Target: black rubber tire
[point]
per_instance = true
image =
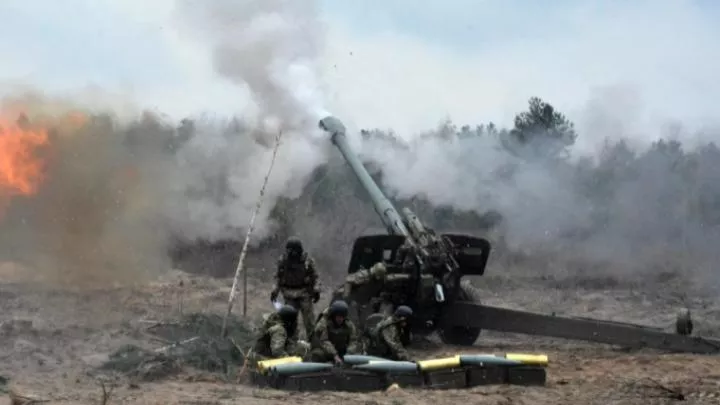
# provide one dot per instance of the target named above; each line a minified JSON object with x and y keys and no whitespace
{"x":461,"y":335}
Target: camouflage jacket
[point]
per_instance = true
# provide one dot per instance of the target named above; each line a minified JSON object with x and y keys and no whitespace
{"x":404,"y":257}
{"x":296,"y":279}
{"x":275,"y":339}
{"x":335,"y":340}
{"x":362,"y":280}
{"x":361,"y":286}
{"x":387,"y":337}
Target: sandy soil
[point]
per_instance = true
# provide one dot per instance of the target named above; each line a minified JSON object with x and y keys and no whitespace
{"x":52,"y":338}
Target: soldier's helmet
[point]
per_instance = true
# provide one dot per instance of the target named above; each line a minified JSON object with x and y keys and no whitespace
{"x":294,"y":245}
{"x":288,"y":313}
{"x":338,"y":308}
{"x":403,"y":311}
{"x":378,"y":270}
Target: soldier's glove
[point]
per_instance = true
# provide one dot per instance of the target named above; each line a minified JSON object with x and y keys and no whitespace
{"x":274,"y":295}
{"x":316,"y":296}
{"x":338,"y":361}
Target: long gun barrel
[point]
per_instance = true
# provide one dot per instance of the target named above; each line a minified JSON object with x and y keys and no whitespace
{"x":413,"y":231}
{"x":442,"y":259}
{"x":385,"y":209}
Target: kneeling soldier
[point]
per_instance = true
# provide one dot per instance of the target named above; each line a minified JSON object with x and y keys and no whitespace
{"x":279,"y":336}
{"x":390,"y":336}
{"x":334,"y":335}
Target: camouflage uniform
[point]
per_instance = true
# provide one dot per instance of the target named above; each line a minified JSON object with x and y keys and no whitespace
{"x":278,"y":337}
{"x":404,"y":258}
{"x":364,"y":287}
{"x":331,"y":341}
{"x":375,"y":287}
{"x":389,"y":337}
{"x":297,"y":280}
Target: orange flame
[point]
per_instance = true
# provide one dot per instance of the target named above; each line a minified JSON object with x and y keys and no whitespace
{"x":21,"y":169}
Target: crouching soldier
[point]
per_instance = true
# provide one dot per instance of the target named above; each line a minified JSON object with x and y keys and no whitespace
{"x":371,"y":290}
{"x":334,"y":335}
{"x":279,"y":336}
{"x":375,"y":276}
{"x":390,"y":336}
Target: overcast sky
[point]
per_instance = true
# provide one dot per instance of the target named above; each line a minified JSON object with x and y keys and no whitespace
{"x":406,"y":64}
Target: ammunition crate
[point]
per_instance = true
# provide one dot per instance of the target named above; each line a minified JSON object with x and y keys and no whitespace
{"x":488,"y":375}
{"x":348,"y":380}
{"x":359,"y":381}
{"x":527,"y":376}
{"x":405,"y":379}
{"x":261,"y":381}
{"x":454,"y":378}
{"x":309,"y":382}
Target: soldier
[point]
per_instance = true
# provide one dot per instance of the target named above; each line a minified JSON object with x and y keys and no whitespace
{"x":334,"y":335}
{"x":374,"y":286}
{"x":404,"y":257}
{"x":279,"y":336}
{"x":363,"y":277}
{"x":390,"y":336}
{"x":297,"y":280}
{"x":365,"y":287}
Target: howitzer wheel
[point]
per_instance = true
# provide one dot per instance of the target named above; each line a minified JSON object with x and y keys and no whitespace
{"x":462,"y":335}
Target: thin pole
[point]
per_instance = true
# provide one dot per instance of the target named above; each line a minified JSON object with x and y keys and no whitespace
{"x":241,"y":261}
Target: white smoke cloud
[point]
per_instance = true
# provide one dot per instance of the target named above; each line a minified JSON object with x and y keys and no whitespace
{"x":620,"y":70}
{"x":271,"y":48}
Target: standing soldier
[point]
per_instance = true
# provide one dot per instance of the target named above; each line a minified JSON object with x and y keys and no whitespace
{"x":390,"y":336}
{"x":297,"y":280}
{"x":334,"y":335}
{"x":278,"y":336}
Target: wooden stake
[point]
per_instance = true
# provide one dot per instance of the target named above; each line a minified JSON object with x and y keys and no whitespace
{"x":241,"y":261}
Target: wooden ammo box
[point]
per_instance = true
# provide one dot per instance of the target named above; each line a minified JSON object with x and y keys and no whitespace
{"x":405,"y":379}
{"x":264,"y":380}
{"x":527,"y":375}
{"x":453,"y":378}
{"x":486,"y":375}
{"x":358,"y":381}
{"x":308,"y":382}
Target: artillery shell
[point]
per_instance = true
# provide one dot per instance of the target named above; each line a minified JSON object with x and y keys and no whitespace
{"x":487,"y":360}
{"x":529,"y":359}
{"x":439,"y":364}
{"x":265,"y":365}
{"x":388,"y":366}
{"x":355,"y":359}
{"x":299,"y":368}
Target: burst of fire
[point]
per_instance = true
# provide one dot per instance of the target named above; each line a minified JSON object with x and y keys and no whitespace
{"x":21,"y":166}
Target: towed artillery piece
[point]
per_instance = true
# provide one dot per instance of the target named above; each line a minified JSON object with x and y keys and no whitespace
{"x":434,"y":264}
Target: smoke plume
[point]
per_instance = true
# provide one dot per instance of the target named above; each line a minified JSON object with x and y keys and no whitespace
{"x":94,"y":212}
{"x":269,"y":48}
{"x":628,"y":205}
{"x":115,"y":193}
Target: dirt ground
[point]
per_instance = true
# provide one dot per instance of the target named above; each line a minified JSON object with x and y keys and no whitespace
{"x":51,"y":340}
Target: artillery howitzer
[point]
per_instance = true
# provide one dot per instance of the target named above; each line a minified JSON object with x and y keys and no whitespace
{"x":442,"y":302}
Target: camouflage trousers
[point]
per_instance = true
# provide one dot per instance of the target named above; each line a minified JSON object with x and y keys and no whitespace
{"x":305,"y":306}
